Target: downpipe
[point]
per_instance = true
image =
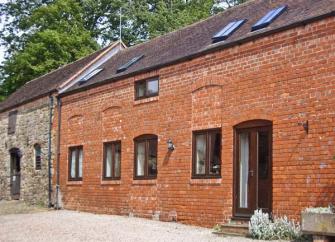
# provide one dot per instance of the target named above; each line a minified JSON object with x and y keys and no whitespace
{"x":59,"y":106}
{"x":51,"y":104}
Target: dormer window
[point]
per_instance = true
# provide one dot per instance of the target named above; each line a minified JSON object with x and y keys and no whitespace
{"x":90,"y":75}
{"x":129,"y":64}
{"x":269,"y":18}
{"x":228,"y":30}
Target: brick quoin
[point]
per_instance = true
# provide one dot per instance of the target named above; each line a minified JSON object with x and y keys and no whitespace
{"x":287,"y":78}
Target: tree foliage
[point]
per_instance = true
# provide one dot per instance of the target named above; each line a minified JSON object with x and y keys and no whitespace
{"x":41,"y":35}
{"x":51,"y":36}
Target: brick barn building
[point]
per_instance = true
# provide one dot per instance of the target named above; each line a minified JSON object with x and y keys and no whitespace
{"x":199,"y":126}
{"x":209,"y":122}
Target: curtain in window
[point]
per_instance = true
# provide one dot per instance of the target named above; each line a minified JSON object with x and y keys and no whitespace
{"x":200,"y":154}
{"x":80,"y":163}
{"x":152,"y":87}
{"x":117,"y":158}
{"x":244,"y":169}
{"x":73,"y":163}
{"x":108,"y":161}
{"x":152,"y":157}
{"x":140,"y":159}
{"x":214,"y":153}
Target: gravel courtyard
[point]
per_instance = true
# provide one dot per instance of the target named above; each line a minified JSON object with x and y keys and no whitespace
{"x":77,"y":226}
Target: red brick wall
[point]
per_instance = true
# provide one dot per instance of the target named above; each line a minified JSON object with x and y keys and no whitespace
{"x":287,"y":78}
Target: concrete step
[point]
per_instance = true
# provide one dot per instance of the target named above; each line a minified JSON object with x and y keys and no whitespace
{"x":234,"y":228}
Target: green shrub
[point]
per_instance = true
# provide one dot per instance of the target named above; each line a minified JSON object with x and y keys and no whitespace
{"x":280,"y":228}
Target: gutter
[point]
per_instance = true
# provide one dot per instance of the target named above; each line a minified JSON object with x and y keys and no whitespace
{"x":51,"y":103}
{"x":27,"y":101}
{"x":210,"y":49}
{"x":59,"y":106}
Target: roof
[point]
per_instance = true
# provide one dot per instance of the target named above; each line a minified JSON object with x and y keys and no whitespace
{"x":196,"y":39}
{"x":48,"y":83}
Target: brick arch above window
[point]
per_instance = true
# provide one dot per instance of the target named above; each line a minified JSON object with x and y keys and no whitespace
{"x":207,"y":107}
{"x":207,"y":81}
{"x":75,"y":125}
{"x":146,"y":136}
{"x":77,"y":118}
{"x":249,"y":115}
{"x":253,"y":123}
{"x":113,"y":108}
{"x":111,"y":122}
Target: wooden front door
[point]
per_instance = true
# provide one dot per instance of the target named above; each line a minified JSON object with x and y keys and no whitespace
{"x":15,"y":178}
{"x":252,"y":168}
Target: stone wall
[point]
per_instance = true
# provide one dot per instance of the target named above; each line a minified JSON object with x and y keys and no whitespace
{"x":32,"y":127}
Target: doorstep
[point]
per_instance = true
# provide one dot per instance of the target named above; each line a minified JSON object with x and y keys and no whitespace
{"x":234,"y":228}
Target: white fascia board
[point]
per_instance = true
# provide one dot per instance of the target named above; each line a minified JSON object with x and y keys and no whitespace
{"x":91,"y":67}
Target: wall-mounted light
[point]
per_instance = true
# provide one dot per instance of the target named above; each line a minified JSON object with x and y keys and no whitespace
{"x":304,"y":124}
{"x":170,"y":145}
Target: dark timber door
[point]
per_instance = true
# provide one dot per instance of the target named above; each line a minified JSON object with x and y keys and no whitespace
{"x":15,"y":178}
{"x":253,"y":168}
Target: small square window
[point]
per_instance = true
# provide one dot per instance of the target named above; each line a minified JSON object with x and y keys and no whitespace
{"x":206,"y":154}
{"x":146,"y":88}
{"x":12,"y":122}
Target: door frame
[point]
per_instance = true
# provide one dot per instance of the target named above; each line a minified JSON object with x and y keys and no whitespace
{"x":250,"y":124}
{"x":15,"y":152}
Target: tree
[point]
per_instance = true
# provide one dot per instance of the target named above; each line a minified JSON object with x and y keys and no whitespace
{"x":54,"y":36}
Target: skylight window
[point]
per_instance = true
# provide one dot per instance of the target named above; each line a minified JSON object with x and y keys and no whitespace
{"x":90,"y":75}
{"x":269,"y":18}
{"x":129,"y":64}
{"x":228,"y":30}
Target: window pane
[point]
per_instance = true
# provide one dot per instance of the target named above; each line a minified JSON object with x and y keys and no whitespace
{"x":140,"y":89}
{"x":140,"y":159}
{"x":117,"y":160}
{"x":80,"y":163}
{"x":200,"y":144}
{"x":215,"y":151}
{"x":152,"y":162}
{"x":73,"y":163}
{"x":152,"y":87}
{"x":244,"y":169}
{"x":108,"y":166}
{"x":37,"y":157}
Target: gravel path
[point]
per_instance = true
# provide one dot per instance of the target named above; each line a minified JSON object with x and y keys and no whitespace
{"x":77,"y":226}
{"x":16,"y":207}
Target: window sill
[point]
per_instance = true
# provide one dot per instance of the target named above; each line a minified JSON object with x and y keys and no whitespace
{"x":74,"y":183}
{"x":144,"y":182}
{"x":146,"y":100}
{"x":205,"y":182}
{"x":111,"y":182}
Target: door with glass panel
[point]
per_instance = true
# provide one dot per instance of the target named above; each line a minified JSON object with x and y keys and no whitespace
{"x":252,"y":168}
